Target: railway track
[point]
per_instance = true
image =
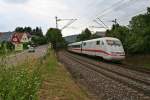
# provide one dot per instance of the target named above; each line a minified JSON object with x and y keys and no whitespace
{"x":124,"y":65}
{"x":134,"y":81}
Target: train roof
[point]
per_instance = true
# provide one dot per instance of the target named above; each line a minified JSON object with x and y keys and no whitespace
{"x":104,"y":38}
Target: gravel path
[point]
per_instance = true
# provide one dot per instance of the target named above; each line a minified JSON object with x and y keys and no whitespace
{"x":104,"y":87}
{"x":25,"y":55}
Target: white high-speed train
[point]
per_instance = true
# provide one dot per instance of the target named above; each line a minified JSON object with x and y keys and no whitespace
{"x":107,"y":48}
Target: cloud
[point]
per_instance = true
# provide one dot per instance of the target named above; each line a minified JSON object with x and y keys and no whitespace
{"x":16,"y":1}
{"x":42,"y":13}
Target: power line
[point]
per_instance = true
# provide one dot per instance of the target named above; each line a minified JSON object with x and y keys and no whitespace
{"x":69,"y":23}
{"x":136,"y":13}
{"x":107,"y":9}
{"x":118,"y":5}
{"x":102,"y":22}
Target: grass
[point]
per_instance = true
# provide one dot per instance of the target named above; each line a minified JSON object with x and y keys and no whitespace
{"x":58,"y":83}
{"x":8,"y":53}
{"x":19,"y":82}
{"x":38,"y":79}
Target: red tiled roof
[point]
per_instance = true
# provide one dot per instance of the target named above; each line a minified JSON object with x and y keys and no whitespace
{"x":19,"y":35}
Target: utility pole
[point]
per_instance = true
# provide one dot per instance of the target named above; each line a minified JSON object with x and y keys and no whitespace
{"x":115,"y":21}
{"x":56,"y":21}
{"x":69,"y":23}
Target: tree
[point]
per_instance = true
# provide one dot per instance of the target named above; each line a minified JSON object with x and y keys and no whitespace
{"x":37,"y":34}
{"x":54,"y":36}
{"x":120,"y":32}
{"x":148,"y":10}
{"x":38,"y":31}
{"x":85,"y":35}
{"x":19,"y":29}
{"x":28,"y":29}
{"x":39,"y":40}
{"x":94,"y":36}
{"x":140,"y":33}
{"x":136,"y":36}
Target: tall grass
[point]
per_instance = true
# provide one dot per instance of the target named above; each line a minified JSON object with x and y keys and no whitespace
{"x":20,"y":82}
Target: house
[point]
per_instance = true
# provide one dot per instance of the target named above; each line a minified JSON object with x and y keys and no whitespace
{"x":21,"y":37}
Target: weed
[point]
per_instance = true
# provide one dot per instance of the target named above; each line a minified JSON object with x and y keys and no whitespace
{"x":20,"y":82}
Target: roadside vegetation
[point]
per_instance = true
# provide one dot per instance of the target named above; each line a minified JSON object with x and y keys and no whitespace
{"x":38,"y":79}
{"x":57,"y":82}
{"x":6,"y":48}
{"x":20,"y":82}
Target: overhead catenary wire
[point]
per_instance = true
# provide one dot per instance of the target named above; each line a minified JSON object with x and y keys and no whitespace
{"x":109,"y":8}
{"x":100,"y":24}
{"x":118,"y":6}
{"x":136,"y":13}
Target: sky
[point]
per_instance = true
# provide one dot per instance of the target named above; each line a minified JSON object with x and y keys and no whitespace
{"x":41,"y":13}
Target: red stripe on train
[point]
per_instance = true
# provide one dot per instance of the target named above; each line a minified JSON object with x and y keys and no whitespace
{"x":93,"y":50}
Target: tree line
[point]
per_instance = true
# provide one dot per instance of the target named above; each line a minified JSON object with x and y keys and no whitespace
{"x":36,"y":33}
{"x":136,"y":36}
{"x":86,"y":35}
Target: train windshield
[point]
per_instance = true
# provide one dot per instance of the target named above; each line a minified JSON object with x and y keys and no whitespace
{"x":114,"y":42}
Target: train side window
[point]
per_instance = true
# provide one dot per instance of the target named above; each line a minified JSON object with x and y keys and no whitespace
{"x":97,"y":42}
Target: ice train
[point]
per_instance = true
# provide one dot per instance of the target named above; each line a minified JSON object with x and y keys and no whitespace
{"x":108,"y":48}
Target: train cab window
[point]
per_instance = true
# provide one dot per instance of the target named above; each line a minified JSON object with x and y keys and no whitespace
{"x":114,"y":42}
{"x":97,"y":42}
{"x":84,"y":43}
